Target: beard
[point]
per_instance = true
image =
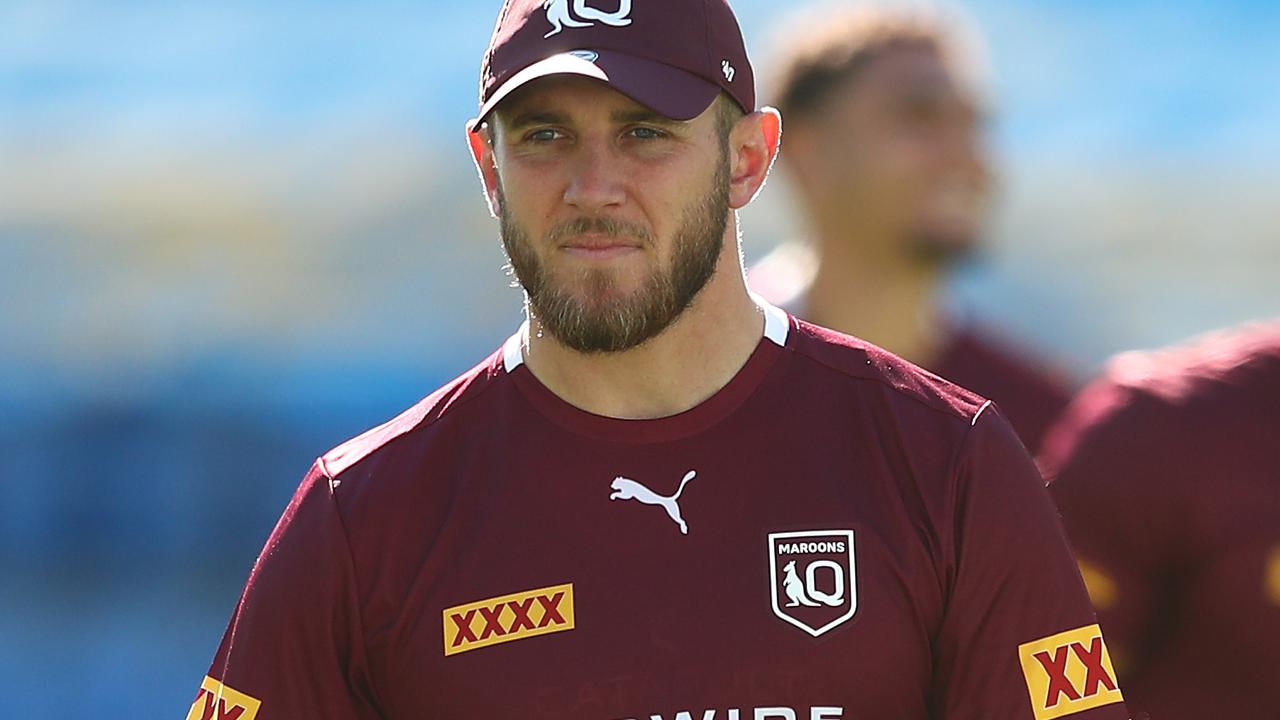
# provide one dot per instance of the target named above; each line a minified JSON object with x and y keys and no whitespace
{"x":599,"y":318}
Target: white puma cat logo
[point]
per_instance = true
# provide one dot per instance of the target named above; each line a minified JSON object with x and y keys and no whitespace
{"x":559,"y":16}
{"x":627,"y":489}
{"x":795,"y":589}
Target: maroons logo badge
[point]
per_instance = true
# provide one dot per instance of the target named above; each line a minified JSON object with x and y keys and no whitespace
{"x":813,"y":574}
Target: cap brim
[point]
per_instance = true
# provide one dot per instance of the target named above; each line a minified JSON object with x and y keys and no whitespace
{"x":669,"y":91}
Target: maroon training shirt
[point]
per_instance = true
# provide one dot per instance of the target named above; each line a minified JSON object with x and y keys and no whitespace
{"x":834,"y":535}
{"x":1168,"y":476}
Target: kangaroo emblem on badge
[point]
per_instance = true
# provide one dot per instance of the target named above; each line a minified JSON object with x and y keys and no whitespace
{"x":560,"y":17}
{"x":628,"y":489}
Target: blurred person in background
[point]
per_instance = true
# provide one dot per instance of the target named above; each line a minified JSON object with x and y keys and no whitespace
{"x":661,"y":490}
{"x":885,"y":148}
{"x":1167,"y":472}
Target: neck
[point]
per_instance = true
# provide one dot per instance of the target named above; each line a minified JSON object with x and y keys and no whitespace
{"x":882,"y":297}
{"x":682,"y":366}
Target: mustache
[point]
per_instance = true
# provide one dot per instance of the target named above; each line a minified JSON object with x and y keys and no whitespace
{"x":608,"y":227}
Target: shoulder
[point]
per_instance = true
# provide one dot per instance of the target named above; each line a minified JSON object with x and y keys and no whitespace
{"x":1208,"y":366}
{"x":1175,"y":398}
{"x":448,"y":402}
{"x":849,"y":360}
{"x":392,"y":485}
{"x":1240,"y":364}
{"x":1029,"y":389}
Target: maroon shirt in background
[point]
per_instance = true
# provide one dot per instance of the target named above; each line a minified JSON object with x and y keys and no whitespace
{"x":672,"y":597}
{"x":1167,"y":472}
{"x":1030,"y":393}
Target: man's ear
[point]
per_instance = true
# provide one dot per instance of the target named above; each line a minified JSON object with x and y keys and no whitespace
{"x":479,"y":139}
{"x":753,"y":147}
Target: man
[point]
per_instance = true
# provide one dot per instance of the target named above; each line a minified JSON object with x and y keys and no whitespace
{"x":661,"y":498}
{"x":1168,"y":475}
{"x":885,"y":148}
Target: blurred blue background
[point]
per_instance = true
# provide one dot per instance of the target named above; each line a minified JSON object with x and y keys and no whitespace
{"x":233,"y":234}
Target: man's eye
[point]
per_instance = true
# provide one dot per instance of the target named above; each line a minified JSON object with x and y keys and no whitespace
{"x":646,"y":133}
{"x":544,"y":135}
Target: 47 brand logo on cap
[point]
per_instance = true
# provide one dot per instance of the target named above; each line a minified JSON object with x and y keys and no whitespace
{"x":216,"y":701}
{"x":1069,"y":672}
{"x":508,"y":618}
{"x":814,"y":586}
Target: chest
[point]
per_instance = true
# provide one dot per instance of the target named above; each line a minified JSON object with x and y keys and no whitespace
{"x":721,"y":583}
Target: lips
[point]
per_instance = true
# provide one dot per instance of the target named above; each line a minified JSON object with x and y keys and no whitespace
{"x":600,"y":246}
{"x":600,"y":252}
{"x":599,"y":237}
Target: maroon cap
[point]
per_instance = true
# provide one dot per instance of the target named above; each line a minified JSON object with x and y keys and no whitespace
{"x":673,"y":56}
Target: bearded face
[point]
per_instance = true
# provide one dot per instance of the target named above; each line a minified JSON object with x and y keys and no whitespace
{"x":589,"y":308}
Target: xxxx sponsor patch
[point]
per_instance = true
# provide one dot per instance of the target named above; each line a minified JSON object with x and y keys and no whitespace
{"x":1068,"y":673}
{"x":216,"y":701}
{"x":508,"y":618}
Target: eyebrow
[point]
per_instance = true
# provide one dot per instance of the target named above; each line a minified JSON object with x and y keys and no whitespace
{"x":639,"y":115}
{"x":524,"y":120}
{"x":645,"y":116}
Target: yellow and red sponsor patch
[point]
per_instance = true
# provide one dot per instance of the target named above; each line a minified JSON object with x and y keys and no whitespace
{"x":216,"y":701}
{"x":1069,"y":672}
{"x":508,"y":618}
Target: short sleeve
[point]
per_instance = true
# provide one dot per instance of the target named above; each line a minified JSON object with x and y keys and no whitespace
{"x":1019,"y":640}
{"x":294,"y":647}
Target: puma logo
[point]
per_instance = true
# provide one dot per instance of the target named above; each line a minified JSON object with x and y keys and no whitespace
{"x":560,"y":17}
{"x":627,"y":489}
{"x":795,"y":590}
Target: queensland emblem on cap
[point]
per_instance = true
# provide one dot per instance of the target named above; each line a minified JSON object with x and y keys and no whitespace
{"x":560,"y":17}
{"x":672,"y":56}
{"x":812,"y":574}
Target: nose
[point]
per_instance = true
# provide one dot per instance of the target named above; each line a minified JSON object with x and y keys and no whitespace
{"x":965,"y":149}
{"x":596,"y":180}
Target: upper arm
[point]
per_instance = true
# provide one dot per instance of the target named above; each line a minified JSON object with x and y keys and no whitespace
{"x":1018,"y":639}
{"x":295,"y":644}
